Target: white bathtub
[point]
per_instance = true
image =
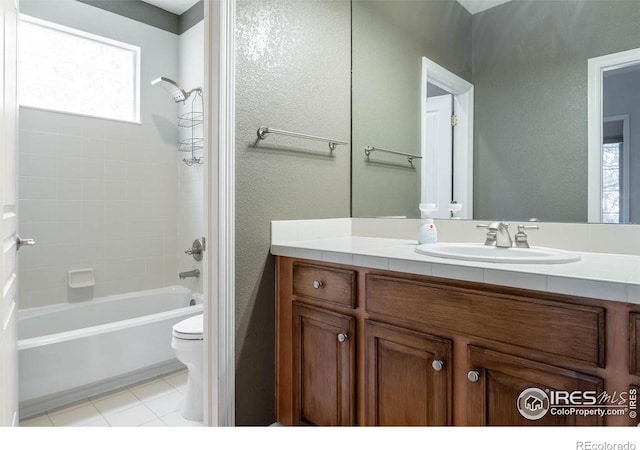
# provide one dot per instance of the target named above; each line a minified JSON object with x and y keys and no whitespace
{"x":68,"y":352}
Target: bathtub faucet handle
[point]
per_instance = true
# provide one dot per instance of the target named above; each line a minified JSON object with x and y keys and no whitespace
{"x":24,"y":242}
{"x":196,"y":250}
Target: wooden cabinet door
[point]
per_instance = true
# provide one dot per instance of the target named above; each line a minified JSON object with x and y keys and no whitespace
{"x":323,"y":367}
{"x":500,"y":379}
{"x":408,"y":377}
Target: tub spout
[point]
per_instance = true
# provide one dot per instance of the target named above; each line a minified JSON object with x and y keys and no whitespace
{"x":188,"y":274}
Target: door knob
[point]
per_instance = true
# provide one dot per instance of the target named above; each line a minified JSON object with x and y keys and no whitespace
{"x":342,"y":337}
{"x":437,"y":365}
{"x":24,"y":242}
{"x":473,"y":376}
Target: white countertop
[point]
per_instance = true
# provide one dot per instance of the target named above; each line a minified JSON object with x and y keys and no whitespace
{"x":597,"y":275}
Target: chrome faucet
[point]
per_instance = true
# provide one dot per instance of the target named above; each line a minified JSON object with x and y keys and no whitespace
{"x":191,"y":273}
{"x":497,"y":234}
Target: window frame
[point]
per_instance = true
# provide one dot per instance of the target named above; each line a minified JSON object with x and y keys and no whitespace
{"x":136,"y":50}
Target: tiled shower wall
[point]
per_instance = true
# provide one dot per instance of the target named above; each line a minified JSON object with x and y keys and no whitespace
{"x":95,"y":196}
{"x":191,"y":73}
{"x":99,"y":193}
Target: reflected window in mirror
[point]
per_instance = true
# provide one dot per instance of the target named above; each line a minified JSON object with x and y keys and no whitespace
{"x":611,"y":185}
{"x":614,"y":137}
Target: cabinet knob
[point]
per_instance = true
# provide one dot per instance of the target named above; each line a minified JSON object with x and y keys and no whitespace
{"x":342,"y":337}
{"x":473,"y":376}
{"x":317,"y":284}
{"x":437,"y":365}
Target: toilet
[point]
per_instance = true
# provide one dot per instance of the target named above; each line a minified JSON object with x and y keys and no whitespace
{"x":188,"y":347}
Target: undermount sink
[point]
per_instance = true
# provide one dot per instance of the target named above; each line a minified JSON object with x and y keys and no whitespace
{"x":487,"y":253}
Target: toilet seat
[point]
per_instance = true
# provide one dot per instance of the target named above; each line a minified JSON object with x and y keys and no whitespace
{"x":190,"y":329}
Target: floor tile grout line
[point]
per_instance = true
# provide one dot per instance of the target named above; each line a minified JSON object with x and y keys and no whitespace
{"x":174,"y":390}
{"x":107,"y":395}
{"x":90,"y":401}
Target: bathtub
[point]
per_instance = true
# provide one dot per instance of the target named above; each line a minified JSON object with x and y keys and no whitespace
{"x":68,"y":352}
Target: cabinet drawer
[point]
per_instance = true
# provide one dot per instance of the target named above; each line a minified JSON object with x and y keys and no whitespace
{"x":322,"y":283}
{"x":573,"y":332}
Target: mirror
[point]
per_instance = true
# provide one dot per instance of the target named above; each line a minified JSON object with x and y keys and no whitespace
{"x":527,"y":61}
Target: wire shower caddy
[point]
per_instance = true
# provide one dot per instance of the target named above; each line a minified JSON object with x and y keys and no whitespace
{"x":193,"y":120}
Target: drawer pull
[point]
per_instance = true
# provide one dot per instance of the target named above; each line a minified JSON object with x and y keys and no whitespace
{"x":437,"y":365}
{"x":317,"y":284}
{"x":342,"y":337}
{"x":473,"y":376}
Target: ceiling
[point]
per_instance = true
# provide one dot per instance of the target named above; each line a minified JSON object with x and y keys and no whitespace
{"x":180,"y":6}
{"x":475,"y":6}
{"x":175,"y":6}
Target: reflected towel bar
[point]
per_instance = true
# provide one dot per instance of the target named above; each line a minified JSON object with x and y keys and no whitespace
{"x":262,"y":132}
{"x":368,"y":149}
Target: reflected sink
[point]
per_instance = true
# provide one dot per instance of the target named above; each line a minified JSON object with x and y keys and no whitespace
{"x":486,"y":253}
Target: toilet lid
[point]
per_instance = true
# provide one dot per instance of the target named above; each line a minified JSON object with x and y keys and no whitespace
{"x":191,"y":328}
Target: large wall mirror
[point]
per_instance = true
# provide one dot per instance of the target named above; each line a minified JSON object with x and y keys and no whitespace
{"x":528,"y":63}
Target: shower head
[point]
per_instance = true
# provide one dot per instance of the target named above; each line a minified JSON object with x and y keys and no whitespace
{"x":173,"y":88}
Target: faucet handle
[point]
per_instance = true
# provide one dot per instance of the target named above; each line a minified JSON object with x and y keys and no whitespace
{"x":493,"y":225}
{"x":521,"y":237}
{"x":492,"y":232}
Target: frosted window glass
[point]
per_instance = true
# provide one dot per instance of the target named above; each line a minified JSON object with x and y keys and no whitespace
{"x":611,"y":184}
{"x":68,"y":70}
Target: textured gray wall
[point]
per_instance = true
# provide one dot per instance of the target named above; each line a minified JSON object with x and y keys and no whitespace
{"x":530,"y":78}
{"x":389,"y":40}
{"x":622,"y":96}
{"x":293,"y":63}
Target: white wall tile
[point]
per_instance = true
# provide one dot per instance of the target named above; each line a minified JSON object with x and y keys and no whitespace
{"x":115,"y":170}
{"x":115,"y":190}
{"x":64,"y":145}
{"x":32,"y":165}
{"x":69,"y":211}
{"x":69,"y":189}
{"x":93,"y":210}
{"x":37,"y":211}
{"x":37,"y":188}
{"x":93,"y":190}
{"x":76,"y":200}
{"x":94,"y":148}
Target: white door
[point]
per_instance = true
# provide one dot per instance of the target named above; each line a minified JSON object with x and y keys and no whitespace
{"x":437,"y":160}
{"x":9,"y":220}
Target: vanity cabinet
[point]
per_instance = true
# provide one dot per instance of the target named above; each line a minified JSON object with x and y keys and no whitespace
{"x":496,"y":381}
{"x":408,"y":377}
{"x":360,"y":346}
{"x":323,"y":367}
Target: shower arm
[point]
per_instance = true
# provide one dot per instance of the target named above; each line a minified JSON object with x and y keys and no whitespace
{"x":197,"y":89}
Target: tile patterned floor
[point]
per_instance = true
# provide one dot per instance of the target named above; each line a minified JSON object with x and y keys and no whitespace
{"x":153,"y":403}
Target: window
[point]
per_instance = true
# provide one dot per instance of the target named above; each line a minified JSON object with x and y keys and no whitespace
{"x":611,"y":183}
{"x":67,"y":70}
